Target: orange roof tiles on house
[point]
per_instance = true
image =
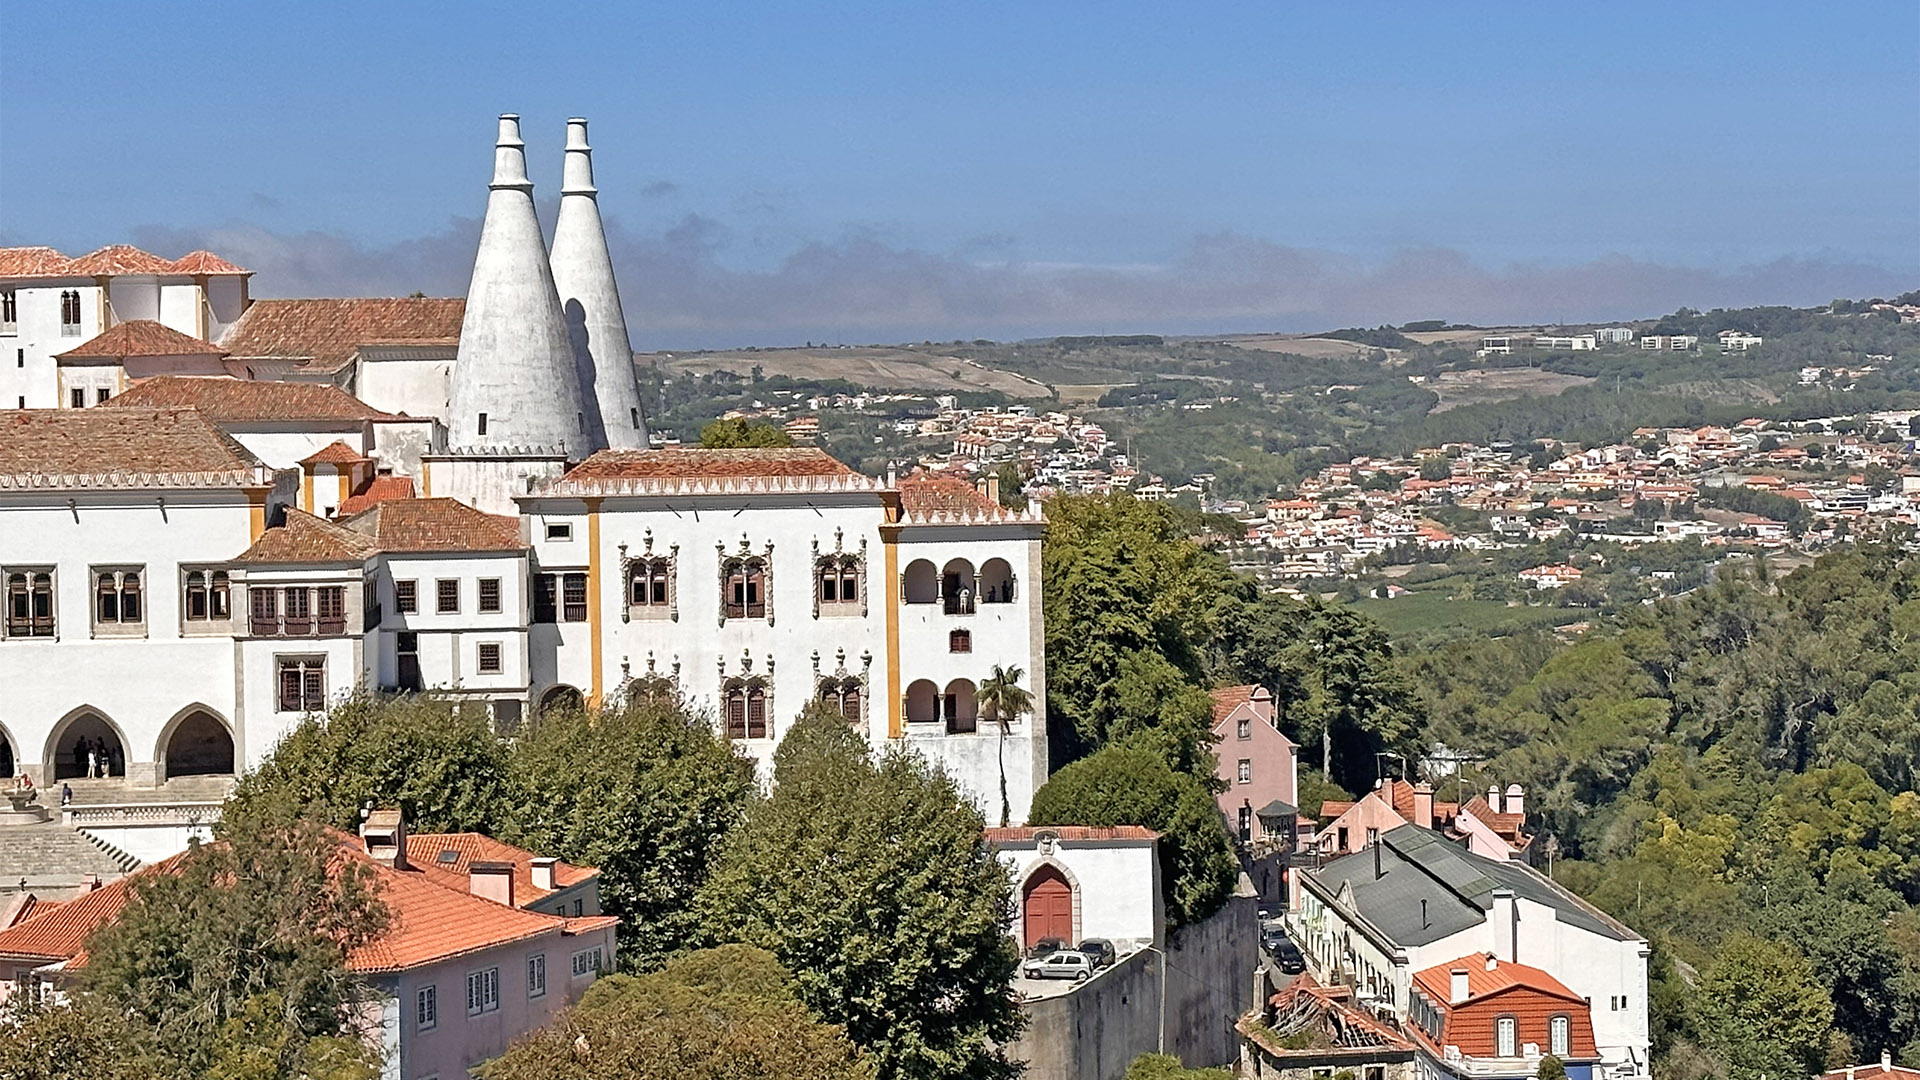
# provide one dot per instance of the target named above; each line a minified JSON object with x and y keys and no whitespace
{"x":140,"y":337}
{"x":429,"y":851}
{"x":205,"y":262}
{"x":323,"y":334}
{"x":1527,"y":993}
{"x":1021,"y":834}
{"x":1884,"y":1069}
{"x":304,"y":538}
{"x":45,"y":445}
{"x":1228,"y":698}
{"x":700,"y":464}
{"x":925,"y":495}
{"x":31,"y":262}
{"x":119,"y":259}
{"x":335,"y":453}
{"x":438,"y":524}
{"x":381,"y":489}
{"x":249,"y":401}
{"x":59,"y":932}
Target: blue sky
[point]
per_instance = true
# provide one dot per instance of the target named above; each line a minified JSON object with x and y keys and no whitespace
{"x":888,"y":171}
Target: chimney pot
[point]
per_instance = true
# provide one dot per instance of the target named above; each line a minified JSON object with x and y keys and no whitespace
{"x":543,"y":873}
{"x":1493,"y":962}
{"x":1457,"y":988}
{"x":1423,"y":805}
{"x":1505,"y":917}
{"x":1516,"y":799}
{"x":384,"y":836}
{"x":491,"y":881}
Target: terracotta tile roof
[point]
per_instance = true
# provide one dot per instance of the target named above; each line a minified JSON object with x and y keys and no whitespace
{"x":924,"y":495}
{"x":428,"y":921}
{"x":695,"y":464}
{"x":120,"y":259}
{"x":1880,"y":1070}
{"x":29,"y":262}
{"x":335,"y":453}
{"x":380,"y":490}
{"x":1228,"y":698}
{"x":22,"y":907}
{"x":249,"y":400}
{"x":304,"y":538}
{"x":141,"y":337}
{"x":429,"y":851}
{"x":205,"y":262}
{"x":323,"y":334}
{"x":57,"y":933}
{"x":1510,"y":826}
{"x":1023,"y":834}
{"x":435,"y":525}
{"x":1529,"y":995}
{"x":128,"y":444}
{"x":1359,"y":1027}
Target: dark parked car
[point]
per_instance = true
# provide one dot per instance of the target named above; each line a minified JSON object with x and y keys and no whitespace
{"x":1045,"y":947}
{"x":1099,"y":950}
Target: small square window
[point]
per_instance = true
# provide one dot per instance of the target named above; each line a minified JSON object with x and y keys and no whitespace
{"x":446,"y":596}
{"x":489,"y":658}
{"x":77,"y":397}
{"x":559,"y":530}
{"x":960,"y":641}
{"x":490,"y":596}
{"x":406,"y":597}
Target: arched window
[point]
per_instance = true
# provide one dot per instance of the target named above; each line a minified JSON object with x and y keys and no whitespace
{"x":923,"y":702}
{"x":843,"y":695}
{"x":744,"y":703}
{"x":650,"y":588}
{"x":69,"y":314}
{"x":996,"y":582}
{"x":744,"y":588}
{"x":960,"y":707}
{"x":1507,"y":1037}
{"x":206,"y":598}
{"x":30,"y":603}
{"x":958,"y":587}
{"x":838,"y":584}
{"x":1559,"y":1036}
{"x":920,"y":584}
{"x":117,"y":602}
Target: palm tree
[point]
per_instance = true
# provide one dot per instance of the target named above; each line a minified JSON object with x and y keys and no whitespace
{"x":1003,"y":699}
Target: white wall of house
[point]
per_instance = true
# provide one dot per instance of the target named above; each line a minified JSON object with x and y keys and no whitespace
{"x":263,"y":720}
{"x":27,"y":368}
{"x":416,"y":382}
{"x":137,"y":678}
{"x":1116,"y":884}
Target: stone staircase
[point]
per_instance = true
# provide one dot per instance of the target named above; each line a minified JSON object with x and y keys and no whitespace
{"x":54,"y":860}
{"x":116,"y":791}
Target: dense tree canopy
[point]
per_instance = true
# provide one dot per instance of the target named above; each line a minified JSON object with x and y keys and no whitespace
{"x":870,"y":880}
{"x":741,"y":433}
{"x":1123,"y":785}
{"x":714,"y":1014}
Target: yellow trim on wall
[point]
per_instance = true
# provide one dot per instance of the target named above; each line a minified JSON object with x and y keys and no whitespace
{"x":890,"y":546}
{"x":256,"y":513}
{"x":306,"y":489}
{"x":593,"y":597}
{"x":346,"y":488}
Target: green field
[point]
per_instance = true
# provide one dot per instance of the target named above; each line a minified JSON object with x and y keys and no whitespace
{"x":1420,"y":613}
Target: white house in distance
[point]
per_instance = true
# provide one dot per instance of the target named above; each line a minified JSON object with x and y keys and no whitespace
{"x":50,"y":304}
{"x":1413,"y":900}
{"x":1073,"y":882}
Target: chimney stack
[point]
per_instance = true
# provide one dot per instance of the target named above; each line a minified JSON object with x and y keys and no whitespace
{"x":590,"y":302}
{"x":514,"y":380}
{"x":1505,"y":917}
{"x":384,"y":835}
{"x":89,"y":883}
{"x":1493,"y":797}
{"x":1378,"y":871}
{"x":1516,"y":800}
{"x":1457,"y":986}
{"x":491,"y":881}
{"x":543,"y":873}
{"x":1423,"y":804}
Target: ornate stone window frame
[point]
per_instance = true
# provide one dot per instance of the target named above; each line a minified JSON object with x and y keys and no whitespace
{"x":839,"y":681}
{"x":746,"y":681}
{"x":649,"y":684}
{"x":839,"y":559}
{"x":746,"y":559}
{"x":647,"y":561}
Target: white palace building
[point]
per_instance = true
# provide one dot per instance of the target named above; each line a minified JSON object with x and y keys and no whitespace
{"x":218,"y":516}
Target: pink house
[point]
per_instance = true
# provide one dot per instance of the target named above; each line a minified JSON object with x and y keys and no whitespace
{"x":474,"y":955}
{"x":1493,"y":825}
{"x":1258,"y":764}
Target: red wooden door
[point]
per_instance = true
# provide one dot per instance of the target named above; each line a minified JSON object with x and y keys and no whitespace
{"x":1048,"y":907}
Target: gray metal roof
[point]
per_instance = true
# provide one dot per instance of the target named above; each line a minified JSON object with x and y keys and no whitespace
{"x":1419,"y":864}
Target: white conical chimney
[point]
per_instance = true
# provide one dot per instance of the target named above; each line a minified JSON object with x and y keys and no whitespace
{"x":514,"y":384}
{"x":590,"y":300}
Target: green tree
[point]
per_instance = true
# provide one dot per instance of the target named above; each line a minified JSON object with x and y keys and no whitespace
{"x":1129,"y":785}
{"x":80,"y":1039}
{"x":1763,"y":1010}
{"x":1012,"y":487}
{"x":1004,"y":700}
{"x":645,"y":793}
{"x":435,"y":757}
{"x":234,"y":957}
{"x":1435,"y":468}
{"x":870,"y":880}
{"x":741,"y":433}
{"x":715,"y":1014}
{"x":1169,"y":1067}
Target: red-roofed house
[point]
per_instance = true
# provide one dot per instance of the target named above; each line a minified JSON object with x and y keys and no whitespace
{"x":1258,"y":764}
{"x":1493,"y":826}
{"x":1483,"y":1017}
{"x":474,"y":954}
{"x":52,"y":305}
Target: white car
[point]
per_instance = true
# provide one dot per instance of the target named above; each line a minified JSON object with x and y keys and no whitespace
{"x":1065,"y":964}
